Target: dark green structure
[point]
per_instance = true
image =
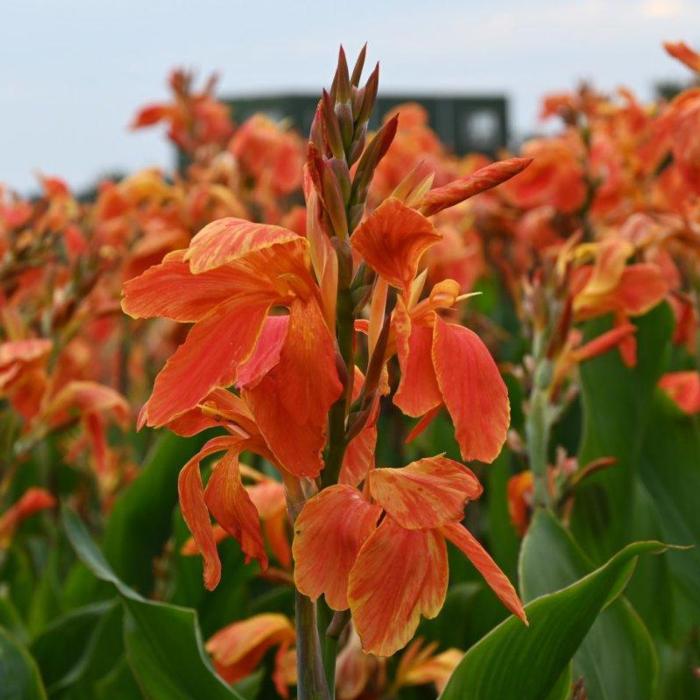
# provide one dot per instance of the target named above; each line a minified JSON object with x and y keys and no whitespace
{"x":464,"y":123}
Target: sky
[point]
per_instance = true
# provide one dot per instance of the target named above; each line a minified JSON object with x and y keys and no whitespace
{"x":73,"y":72}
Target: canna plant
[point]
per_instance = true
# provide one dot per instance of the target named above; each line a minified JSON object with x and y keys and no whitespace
{"x":289,"y":353}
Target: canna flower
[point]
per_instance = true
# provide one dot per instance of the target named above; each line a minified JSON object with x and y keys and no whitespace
{"x":32,"y":501}
{"x":227,"y":283}
{"x":420,"y":665}
{"x":442,"y":363}
{"x":683,"y":388}
{"x":383,"y":553}
{"x":612,"y":286}
{"x":237,"y":649}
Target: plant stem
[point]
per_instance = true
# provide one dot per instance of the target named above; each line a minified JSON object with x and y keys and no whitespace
{"x":311,"y":674}
{"x":537,"y":430}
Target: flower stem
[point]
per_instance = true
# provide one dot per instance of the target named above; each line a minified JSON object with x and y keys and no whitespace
{"x":311,"y":676}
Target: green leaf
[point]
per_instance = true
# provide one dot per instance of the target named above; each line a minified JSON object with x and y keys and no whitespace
{"x":119,"y":684}
{"x":617,"y":658}
{"x":19,"y":675}
{"x":62,"y":646}
{"x":163,"y":642}
{"x":670,"y":473}
{"x":525,"y":663}
{"x":616,"y":403}
{"x":140,"y":522}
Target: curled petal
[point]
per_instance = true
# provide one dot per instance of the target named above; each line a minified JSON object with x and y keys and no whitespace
{"x":392,"y":240}
{"x":358,"y":459}
{"x":32,"y":501}
{"x":208,"y":358}
{"x":399,"y":575}
{"x":170,"y":290}
{"x":328,"y":534}
{"x":194,"y":509}
{"x":238,"y":648}
{"x":267,"y":352}
{"x":233,"y":509}
{"x":483,"y":179}
{"x":418,"y":391}
{"x":225,"y":240}
{"x":473,"y":390}
{"x":425,"y":494}
{"x":682,"y":52}
{"x":290,"y":403}
{"x":88,"y":397}
{"x":486,"y":566}
{"x":220,"y":407}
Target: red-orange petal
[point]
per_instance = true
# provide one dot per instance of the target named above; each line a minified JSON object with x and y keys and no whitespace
{"x":194,"y":510}
{"x":266,"y":354}
{"x":290,"y":403}
{"x":473,"y":390}
{"x":418,"y":391}
{"x":208,"y":358}
{"x":231,"y":506}
{"x":425,"y":494}
{"x":399,"y":575}
{"x":238,"y":648}
{"x":642,"y":286}
{"x":479,"y":181}
{"x":486,"y":566}
{"x":170,"y":290}
{"x":392,"y":240}
{"x":328,"y":534}
{"x":225,"y":240}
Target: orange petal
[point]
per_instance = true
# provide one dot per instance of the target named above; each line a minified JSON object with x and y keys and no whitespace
{"x":229,"y":239}
{"x":418,"y":391}
{"x":209,"y":358}
{"x":392,"y":240}
{"x":267,"y":352}
{"x":170,"y":290}
{"x":425,"y":494}
{"x":290,"y":403}
{"x":88,"y":397}
{"x":642,"y":286}
{"x":358,"y":459}
{"x":238,"y":648}
{"x":328,"y":534}
{"x":32,"y":501}
{"x":194,"y":509}
{"x":684,"y":389}
{"x":277,"y":536}
{"x":23,"y":350}
{"x":487,"y":567}
{"x":474,"y":392}
{"x":483,"y":179}
{"x":233,"y":509}
{"x":682,"y":52}
{"x":399,"y":575}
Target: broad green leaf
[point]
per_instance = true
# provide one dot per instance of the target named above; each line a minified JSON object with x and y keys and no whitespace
{"x":140,"y":522}
{"x":518,"y":662}
{"x":119,"y":684}
{"x":670,"y":473}
{"x":617,"y":658}
{"x":63,"y":644}
{"x":616,"y":403}
{"x":19,"y":675}
{"x":163,"y":642}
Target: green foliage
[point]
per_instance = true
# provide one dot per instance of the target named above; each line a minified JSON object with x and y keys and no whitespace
{"x":526,"y":663}
{"x":163,"y":643}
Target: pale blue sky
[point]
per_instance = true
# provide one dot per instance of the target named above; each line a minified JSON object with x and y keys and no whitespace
{"x":72,"y":72}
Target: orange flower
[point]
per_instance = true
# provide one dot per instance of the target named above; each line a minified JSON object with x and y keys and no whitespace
{"x":612,"y":286}
{"x":683,"y":388}
{"x":520,"y":493}
{"x":389,"y":551}
{"x":441,"y":362}
{"x":227,"y":282}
